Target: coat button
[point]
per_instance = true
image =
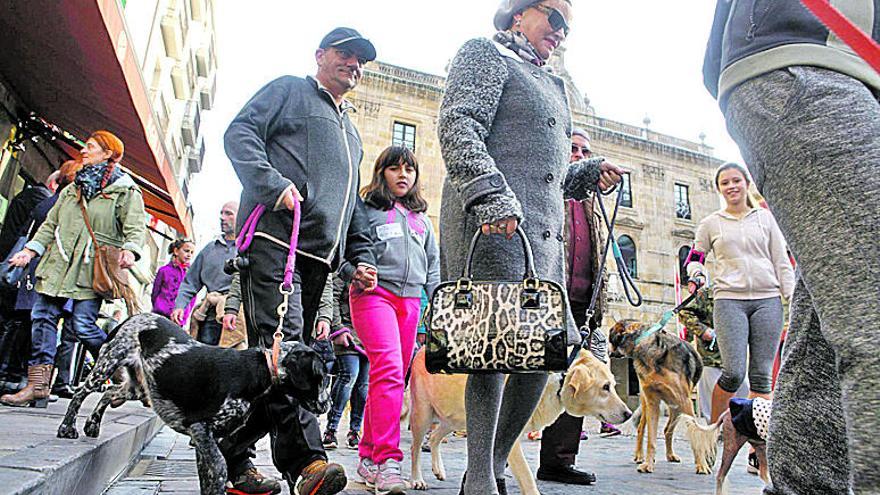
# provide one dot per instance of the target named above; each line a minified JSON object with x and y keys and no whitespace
{"x":551,"y":122}
{"x":495,"y":181}
{"x":559,"y":237}
{"x":549,"y":178}
{"x":547,"y":234}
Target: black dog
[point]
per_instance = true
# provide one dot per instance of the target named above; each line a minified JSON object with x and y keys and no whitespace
{"x":198,"y":390}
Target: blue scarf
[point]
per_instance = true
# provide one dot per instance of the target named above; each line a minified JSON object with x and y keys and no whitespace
{"x":88,"y":179}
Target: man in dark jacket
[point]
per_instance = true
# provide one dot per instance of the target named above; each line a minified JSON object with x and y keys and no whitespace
{"x":802,"y":106}
{"x":583,"y":246}
{"x":294,"y":141}
{"x":14,"y":325}
{"x":18,"y":215}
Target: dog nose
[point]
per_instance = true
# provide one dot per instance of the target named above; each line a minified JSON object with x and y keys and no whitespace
{"x":626,"y":415}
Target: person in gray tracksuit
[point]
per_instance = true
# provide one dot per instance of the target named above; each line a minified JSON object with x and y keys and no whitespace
{"x":803,"y":108}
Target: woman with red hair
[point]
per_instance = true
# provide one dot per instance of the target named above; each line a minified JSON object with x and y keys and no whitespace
{"x":115,"y":209}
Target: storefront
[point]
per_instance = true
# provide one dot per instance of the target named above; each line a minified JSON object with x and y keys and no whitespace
{"x":71,"y":64}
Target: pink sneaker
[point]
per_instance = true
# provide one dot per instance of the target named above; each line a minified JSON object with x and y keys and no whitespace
{"x":367,"y":471}
{"x":389,"y":480}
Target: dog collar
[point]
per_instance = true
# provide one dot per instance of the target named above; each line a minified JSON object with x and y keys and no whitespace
{"x":273,"y":367}
{"x":272,"y":358}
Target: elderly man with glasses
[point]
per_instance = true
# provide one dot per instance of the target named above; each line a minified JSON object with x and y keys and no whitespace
{"x":295,"y":142}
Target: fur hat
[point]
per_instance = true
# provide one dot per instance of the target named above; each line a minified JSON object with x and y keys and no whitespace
{"x":509,"y":8}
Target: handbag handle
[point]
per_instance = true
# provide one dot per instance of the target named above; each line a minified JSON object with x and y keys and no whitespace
{"x":85,"y":214}
{"x":527,"y":249}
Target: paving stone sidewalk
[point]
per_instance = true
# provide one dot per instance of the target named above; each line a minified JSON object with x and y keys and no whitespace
{"x":167,"y":466}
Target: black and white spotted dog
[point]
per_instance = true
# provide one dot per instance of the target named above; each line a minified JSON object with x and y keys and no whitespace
{"x":198,"y":390}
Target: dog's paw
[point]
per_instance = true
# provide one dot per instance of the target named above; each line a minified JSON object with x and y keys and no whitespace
{"x":68,"y":431}
{"x":673,"y":458}
{"x":704,"y":469}
{"x":639,"y":458}
{"x":418,"y":485}
{"x":92,"y":429}
{"x":646,"y":467}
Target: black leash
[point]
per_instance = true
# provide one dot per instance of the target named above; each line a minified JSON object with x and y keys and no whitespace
{"x":633,"y":295}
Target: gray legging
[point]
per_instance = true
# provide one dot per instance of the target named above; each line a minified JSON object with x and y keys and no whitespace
{"x":752,"y":325}
{"x":497,"y":412}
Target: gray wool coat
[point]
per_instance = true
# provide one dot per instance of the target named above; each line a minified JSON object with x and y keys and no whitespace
{"x":505,"y":135}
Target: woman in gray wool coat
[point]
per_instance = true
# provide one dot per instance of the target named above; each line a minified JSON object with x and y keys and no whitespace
{"x":505,"y":131}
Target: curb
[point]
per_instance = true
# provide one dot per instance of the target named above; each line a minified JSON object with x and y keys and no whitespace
{"x":34,"y":462}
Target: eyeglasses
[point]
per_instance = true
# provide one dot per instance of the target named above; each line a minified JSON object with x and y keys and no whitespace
{"x":585,"y":150}
{"x":554,"y":17}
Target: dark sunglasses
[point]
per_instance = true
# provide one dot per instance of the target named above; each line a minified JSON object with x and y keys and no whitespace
{"x":554,"y":17}
{"x":347,"y":54}
{"x":585,"y":150}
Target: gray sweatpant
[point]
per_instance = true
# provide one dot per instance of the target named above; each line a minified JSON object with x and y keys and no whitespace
{"x":748,"y":332}
{"x":811,"y":138}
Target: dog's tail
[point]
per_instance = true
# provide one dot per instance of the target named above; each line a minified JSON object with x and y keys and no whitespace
{"x":628,"y":428}
{"x":703,"y":438}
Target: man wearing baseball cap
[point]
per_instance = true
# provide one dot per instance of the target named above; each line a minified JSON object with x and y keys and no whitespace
{"x":294,"y":142}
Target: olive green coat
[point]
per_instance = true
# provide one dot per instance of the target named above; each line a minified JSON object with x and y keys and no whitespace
{"x":118,"y":219}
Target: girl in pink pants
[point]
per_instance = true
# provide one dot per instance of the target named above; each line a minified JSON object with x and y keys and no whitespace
{"x":385,"y":318}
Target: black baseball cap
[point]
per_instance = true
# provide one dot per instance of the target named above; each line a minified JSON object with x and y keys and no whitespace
{"x":348,"y":38}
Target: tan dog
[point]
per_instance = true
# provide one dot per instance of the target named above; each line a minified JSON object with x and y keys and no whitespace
{"x":587,"y":390}
{"x":668,"y":368}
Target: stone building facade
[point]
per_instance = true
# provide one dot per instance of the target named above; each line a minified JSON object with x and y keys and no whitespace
{"x":670,"y":179}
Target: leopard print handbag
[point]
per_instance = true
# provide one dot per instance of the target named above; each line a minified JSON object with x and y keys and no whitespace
{"x":497,"y":326}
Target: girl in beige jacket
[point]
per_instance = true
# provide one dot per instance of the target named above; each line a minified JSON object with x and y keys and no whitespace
{"x":752,"y":276}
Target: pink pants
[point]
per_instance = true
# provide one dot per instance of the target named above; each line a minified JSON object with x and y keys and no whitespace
{"x":386,"y":324}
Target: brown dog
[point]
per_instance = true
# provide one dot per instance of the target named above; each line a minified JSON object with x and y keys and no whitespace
{"x":586,"y":390}
{"x":668,"y":368}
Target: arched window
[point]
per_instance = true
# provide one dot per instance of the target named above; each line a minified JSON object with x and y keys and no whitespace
{"x":628,"y":250}
{"x":683,"y":253}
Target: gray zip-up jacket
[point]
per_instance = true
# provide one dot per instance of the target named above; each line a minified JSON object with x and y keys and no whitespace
{"x":292,"y":133}
{"x":407,"y":256}
{"x":752,"y":37}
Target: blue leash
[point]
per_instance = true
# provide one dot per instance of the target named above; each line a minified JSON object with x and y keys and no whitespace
{"x":667,"y":315}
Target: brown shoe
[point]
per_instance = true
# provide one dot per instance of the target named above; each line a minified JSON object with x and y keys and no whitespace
{"x":36,"y":393}
{"x":321,"y":478}
{"x":252,"y":482}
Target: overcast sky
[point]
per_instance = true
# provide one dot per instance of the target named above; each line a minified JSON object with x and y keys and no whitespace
{"x":632,"y":58}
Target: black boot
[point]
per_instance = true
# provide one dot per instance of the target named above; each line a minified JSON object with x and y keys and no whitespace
{"x":566,"y":474}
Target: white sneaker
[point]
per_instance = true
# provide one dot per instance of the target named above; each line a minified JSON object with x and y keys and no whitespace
{"x":367,"y":471}
{"x":389,"y":479}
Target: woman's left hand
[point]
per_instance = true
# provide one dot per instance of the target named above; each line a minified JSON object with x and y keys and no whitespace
{"x":609,"y":175}
{"x":505,"y":226}
{"x":126,"y":259}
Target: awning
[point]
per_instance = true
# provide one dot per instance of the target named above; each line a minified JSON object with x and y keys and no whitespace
{"x":71,"y":63}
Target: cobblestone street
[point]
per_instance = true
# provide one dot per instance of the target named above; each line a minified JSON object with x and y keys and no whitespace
{"x":167,"y":466}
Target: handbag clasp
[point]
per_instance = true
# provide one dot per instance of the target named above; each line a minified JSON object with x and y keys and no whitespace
{"x":464,"y":298}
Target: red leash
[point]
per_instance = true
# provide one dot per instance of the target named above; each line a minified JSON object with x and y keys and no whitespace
{"x":860,"y":42}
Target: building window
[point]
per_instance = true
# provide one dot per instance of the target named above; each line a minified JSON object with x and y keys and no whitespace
{"x":628,"y":250}
{"x":682,"y":202}
{"x":626,"y":198}
{"x":683,"y":253}
{"x":404,"y":135}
